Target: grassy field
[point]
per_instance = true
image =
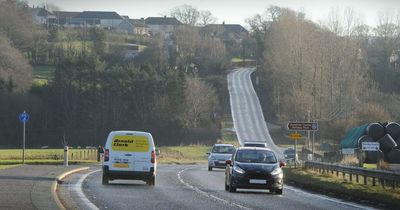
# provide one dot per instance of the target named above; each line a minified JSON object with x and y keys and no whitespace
{"x":46,"y":156}
{"x":42,"y":74}
{"x":341,"y":187}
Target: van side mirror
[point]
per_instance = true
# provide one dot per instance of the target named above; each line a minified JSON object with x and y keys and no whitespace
{"x":282,"y":164}
{"x":228,"y":162}
{"x":158,"y":152}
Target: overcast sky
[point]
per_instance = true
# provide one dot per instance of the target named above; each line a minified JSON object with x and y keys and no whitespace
{"x":231,"y":11}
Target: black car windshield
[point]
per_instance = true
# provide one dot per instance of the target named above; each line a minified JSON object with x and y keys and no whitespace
{"x":223,"y":149}
{"x":255,"y":156}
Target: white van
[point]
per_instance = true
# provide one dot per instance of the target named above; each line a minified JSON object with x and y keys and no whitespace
{"x":129,"y":155}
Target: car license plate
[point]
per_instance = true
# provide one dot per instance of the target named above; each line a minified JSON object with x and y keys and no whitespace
{"x":221,"y":162}
{"x":257,"y":181}
{"x":121,"y":165}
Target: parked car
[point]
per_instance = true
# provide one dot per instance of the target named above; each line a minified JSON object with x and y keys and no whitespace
{"x":255,"y":144}
{"x":129,"y":155}
{"x":254,"y":168}
{"x":219,"y":154}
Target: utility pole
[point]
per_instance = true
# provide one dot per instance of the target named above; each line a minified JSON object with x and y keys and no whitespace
{"x":308,"y":132}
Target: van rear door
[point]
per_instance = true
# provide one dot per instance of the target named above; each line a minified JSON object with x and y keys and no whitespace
{"x":130,"y":153}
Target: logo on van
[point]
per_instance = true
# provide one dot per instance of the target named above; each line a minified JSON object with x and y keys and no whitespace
{"x":130,"y":144}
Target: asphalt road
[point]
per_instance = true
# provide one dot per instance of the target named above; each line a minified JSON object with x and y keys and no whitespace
{"x":29,"y":186}
{"x":184,"y":187}
{"x":192,"y":186}
{"x":246,"y":111}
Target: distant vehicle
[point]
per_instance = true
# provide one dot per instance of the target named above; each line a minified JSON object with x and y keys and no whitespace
{"x":219,"y":154}
{"x":290,"y":154}
{"x":255,"y":144}
{"x":254,"y":168}
{"x":129,"y":155}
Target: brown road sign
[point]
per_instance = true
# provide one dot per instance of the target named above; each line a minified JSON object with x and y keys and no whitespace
{"x":303,"y":126}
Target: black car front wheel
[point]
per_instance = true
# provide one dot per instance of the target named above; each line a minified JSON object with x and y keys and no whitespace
{"x":279,"y":191}
{"x":231,"y":187}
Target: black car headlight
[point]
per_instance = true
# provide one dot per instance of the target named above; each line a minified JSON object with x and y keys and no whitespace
{"x":277,"y":172}
{"x":238,"y":170}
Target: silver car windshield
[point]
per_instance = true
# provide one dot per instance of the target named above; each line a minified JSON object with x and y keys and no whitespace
{"x":223,"y":149}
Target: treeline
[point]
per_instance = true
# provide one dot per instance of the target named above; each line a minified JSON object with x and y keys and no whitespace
{"x":344,"y":72}
{"x":175,"y":88}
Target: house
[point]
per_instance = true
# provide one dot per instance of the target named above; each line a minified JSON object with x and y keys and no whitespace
{"x":67,"y":18}
{"x":109,"y":20}
{"x":42,"y":16}
{"x":140,"y":27}
{"x":133,"y":26}
{"x":226,"y":31}
{"x":164,"y":24}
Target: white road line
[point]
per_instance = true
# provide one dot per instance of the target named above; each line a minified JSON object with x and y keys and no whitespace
{"x":209,"y":195}
{"x":77,"y":188}
{"x":334,"y":200}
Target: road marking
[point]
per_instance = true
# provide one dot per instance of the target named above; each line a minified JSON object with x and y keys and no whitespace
{"x":323,"y":197}
{"x":77,"y":188}
{"x":209,"y":195}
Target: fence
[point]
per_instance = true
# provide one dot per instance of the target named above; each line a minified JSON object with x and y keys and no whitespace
{"x":84,"y":154}
{"x":384,"y":177}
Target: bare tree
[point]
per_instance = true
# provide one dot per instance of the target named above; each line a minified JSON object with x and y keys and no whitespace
{"x":186,"y":14}
{"x":206,"y":17}
{"x":201,"y":102}
{"x":14,"y":68}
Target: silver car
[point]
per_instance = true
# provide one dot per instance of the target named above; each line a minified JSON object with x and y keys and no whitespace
{"x":219,"y":154}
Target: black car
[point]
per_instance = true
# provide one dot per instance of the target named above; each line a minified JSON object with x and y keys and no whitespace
{"x":254,"y":168}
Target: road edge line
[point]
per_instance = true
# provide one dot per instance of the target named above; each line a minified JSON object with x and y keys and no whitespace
{"x":55,"y":184}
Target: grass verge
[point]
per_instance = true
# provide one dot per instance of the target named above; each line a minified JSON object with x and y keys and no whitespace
{"x":340,"y":186}
{"x":192,"y":154}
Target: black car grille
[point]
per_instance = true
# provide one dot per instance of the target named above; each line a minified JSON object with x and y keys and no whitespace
{"x":257,"y":175}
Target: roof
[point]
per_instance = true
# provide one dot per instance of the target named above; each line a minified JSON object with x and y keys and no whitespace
{"x":138,"y":22}
{"x":41,"y":12}
{"x":63,"y":14}
{"x":230,"y":28}
{"x":230,"y":145}
{"x":255,"y":148}
{"x":162,"y":21}
{"x":99,"y":15}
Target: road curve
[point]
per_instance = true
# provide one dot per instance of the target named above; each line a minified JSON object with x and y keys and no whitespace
{"x":247,"y":114}
{"x":184,"y":187}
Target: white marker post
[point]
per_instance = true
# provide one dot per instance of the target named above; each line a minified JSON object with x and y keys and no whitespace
{"x":23,"y":117}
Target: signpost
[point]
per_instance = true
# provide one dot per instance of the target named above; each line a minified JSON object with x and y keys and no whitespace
{"x":370,"y":146}
{"x":23,"y":117}
{"x":348,"y":151}
{"x":295,"y":137}
{"x":303,"y":126}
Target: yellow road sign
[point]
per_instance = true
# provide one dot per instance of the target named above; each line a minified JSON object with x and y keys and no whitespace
{"x":295,"y":136}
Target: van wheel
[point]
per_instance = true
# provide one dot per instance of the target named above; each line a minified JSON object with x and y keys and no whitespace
{"x":209,"y":168}
{"x":105,"y":179}
{"x":151,"y":181}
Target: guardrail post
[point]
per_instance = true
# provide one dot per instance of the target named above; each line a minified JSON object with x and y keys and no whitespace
{"x":357,"y":178}
{"x":351,"y":177}
{"x":337,"y":173}
{"x":373,"y":181}
{"x":393,"y":185}
{"x":365,"y":180}
{"x":382,"y":183}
